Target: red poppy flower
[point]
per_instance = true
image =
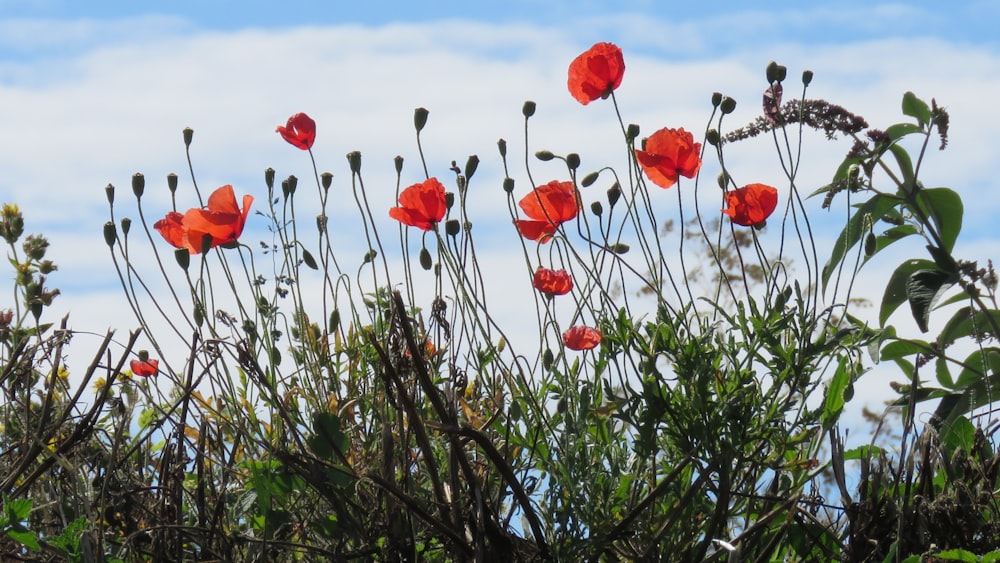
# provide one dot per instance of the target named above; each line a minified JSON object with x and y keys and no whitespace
{"x":299,"y":131}
{"x":552,"y":282}
{"x":670,"y":153}
{"x":596,"y":72}
{"x":548,"y":206}
{"x":581,"y":338}
{"x":145,"y":367}
{"x":222,"y":220}
{"x":752,"y":204}
{"x":421,"y":205}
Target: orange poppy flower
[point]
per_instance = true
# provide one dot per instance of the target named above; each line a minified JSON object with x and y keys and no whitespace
{"x":670,"y":153}
{"x":581,"y":337}
{"x":752,"y":204}
{"x":421,"y":205}
{"x":552,"y":282}
{"x":145,"y":367}
{"x":548,"y":206}
{"x":299,"y":131}
{"x":596,"y":72}
{"x":222,"y":220}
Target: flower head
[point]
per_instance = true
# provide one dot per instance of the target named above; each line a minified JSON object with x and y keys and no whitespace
{"x":552,"y":282}
{"x":421,"y":205}
{"x":220,"y":224}
{"x":596,"y":72}
{"x":670,"y":153}
{"x":299,"y":131}
{"x":548,"y":207}
{"x":581,"y":337}
{"x":752,"y":204}
{"x":145,"y":367}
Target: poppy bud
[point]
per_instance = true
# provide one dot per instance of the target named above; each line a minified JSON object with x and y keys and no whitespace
{"x":619,"y":248}
{"x":573,"y":161}
{"x":321,"y":221}
{"x":614,"y":193}
{"x":589,"y":179}
{"x":126,"y":226}
{"x":528,"y":109}
{"x":870,"y":244}
{"x":308,"y":259}
{"x":449,"y":199}
{"x":335,"y":320}
{"x":199,"y":314}
{"x":723,"y":180}
{"x":728,"y":105}
{"x":354,"y":159}
{"x":596,"y":208}
{"x":109,"y":191}
{"x":807,"y":77}
{"x":425,"y":259}
{"x":327,"y":180}
{"x":716,"y":99}
{"x":712,"y":137}
{"x":508,"y":185}
{"x":370,"y":255}
{"x":288,"y":185}
{"x":269,"y":178}
{"x":183,"y":258}
{"x":206,"y":242}
{"x":775,"y":72}
{"x":420,"y":118}
{"x":172,"y":182}
{"x":452,"y":227}
{"x":188,"y":135}
{"x":547,"y":359}
{"x":502,"y":145}
{"x":138,"y":184}
{"x":110,"y":233}
{"x":470,"y":166}
{"x":631,"y":133}
{"x":544,"y":155}
{"x":462,"y":182}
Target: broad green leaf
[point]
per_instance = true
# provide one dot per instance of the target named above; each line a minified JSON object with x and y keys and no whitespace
{"x":905,"y":167}
{"x":25,"y":537}
{"x":965,"y":323}
{"x":17,"y":510}
{"x":900,"y":130}
{"x":857,"y":226}
{"x":902,"y":348}
{"x":895,"y":290}
{"x":866,"y":451}
{"x":327,"y":437}
{"x":916,"y":108}
{"x":957,"y":555}
{"x":944,"y":207}
{"x":833,"y":404}
{"x":923,"y":289}
{"x":890,"y":236}
{"x":959,"y":435}
{"x":980,"y":364}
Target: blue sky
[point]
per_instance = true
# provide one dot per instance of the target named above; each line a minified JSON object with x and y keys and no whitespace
{"x":93,"y":91}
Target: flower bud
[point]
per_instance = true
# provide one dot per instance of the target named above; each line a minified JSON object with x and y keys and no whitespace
{"x":712,"y":137}
{"x":425,"y":259}
{"x":502,"y":145}
{"x":775,"y":72}
{"x":508,"y":185}
{"x":183,"y":258}
{"x":807,"y":77}
{"x":728,"y":105}
{"x":269,"y":178}
{"x":47,"y":267}
{"x":716,"y":99}
{"x":326,"y":179}
{"x":188,"y":135}
{"x":110,"y":233}
{"x":109,"y":191}
{"x":138,"y":184}
{"x":398,"y":164}
{"x":596,"y":208}
{"x":470,"y":166}
{"x":544,"y":155}
{"x":321,"y":222}
{"x":723,"y":180}
{"x":420,"y":118}
{"x":354,"y":159}
{"x":292,"y":183}
{"x":449,"y":199}
{"x":589,"y":179}
{"x":528,"y":109}
{"x":619,"y":248}
{"x":172,"y":182}
{"x":573,"y":161}
{"x":335,"y":320}
{"x":614,"y":193}
{"x":126,"y":226}
{"x":631,"y":133}
{"x":452,"y":227}
{"x":370,"y":255}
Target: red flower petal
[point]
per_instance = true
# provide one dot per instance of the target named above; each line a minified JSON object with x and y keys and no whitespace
{"x":596,"y":72}
{"x":752,"y":204}
{"x":299,"y":131}
{"x":145,"y":368}
{"x":552,"y":282}
{"x":548,"y":206}
{"x":581,"y":337}
{"x":421,"y":205}
{"x":670,"y":153}
{"x":223,"y":221}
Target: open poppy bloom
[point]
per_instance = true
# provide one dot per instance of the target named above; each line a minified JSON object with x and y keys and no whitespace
{"x":421,"y":205}
{"x":552,"y":282}
{"x":548,"y":206}
{"x":220,"y":224}
{"x":752,"y":204}
{"x":670,"y":153}
{"x":596,"y":72}
{"x":299,"y":131}
{"x":581,"y":337}
{"x":145,"y":367}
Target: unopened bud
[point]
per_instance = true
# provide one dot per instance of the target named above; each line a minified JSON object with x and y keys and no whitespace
{"x":508,"y":185}
{"x":723,"y":180}
{"x":807,"y":77}
{"x":172,"y":182}
{"x":183,"y":258}
{"x":188,"y":135}
{"x":321,"y":222}
{"x":420,"y":118}
{"x":326,"y":179}
{"x":631,"y":133}
{"x":775,"y":72}
{"x":596,"y":208}
{"x":589,"y":179}
{"x":712,"y":137}
{"x":502,"y":146}
{"x":109,"y":191}
{"x":425,"y":259}
{"x":110,"y":233}
{"x":449,"y":199}
{"x":528,"y":109}
{"x":544,"y":155}
{"x":573,"y":161}
{"x":716,"y":99}
{"x":354,"y":159}
{"x":452,"y":227}
{"x":728,"y":105}
{"x":269,"y":178}
{"x":138,"y":184}
{"x":126,"y":226}
{"x":470,"y":166}
{"x":614,"y":193}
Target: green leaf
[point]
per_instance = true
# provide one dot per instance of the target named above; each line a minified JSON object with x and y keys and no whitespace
{"x":864,"y":452}
{"x":890,"y":236}
{"x":327,"y":437}
{"x":895,"y":290}
{"x":833,"y":404}
{"x":17,"y":510}
{"x":905,"y":167}
{"x":24,"y":537}
{"x":857,"y":226}
{"x":923,"y":288}
{"x":980,"y":364}
{"x":902,"y":348}
{"x":916,"y":108}
{"x":900,"y":130}
{"x":944,"y":207}
{"x":959,"y":435}
{"x":957,"y":555}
